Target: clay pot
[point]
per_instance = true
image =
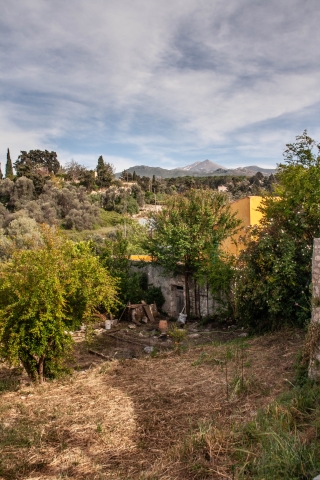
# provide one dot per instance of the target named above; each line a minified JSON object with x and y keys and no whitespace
{"x":163,"y":326}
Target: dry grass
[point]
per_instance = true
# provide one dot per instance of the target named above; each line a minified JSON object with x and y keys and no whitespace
{"x":146,"y":418}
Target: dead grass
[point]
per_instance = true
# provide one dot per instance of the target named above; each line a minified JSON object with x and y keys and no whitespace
{"x":151,"y":418}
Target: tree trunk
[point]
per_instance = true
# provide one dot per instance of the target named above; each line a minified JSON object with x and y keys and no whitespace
{"x":40,"y":366}
{"x":187,"y":292}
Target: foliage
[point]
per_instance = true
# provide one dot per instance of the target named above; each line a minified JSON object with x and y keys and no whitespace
{"x":275,"y":269}
{"x":68,"y":206}
{"x":155,"y":295}
{"x":133,"y":285}
{"x":115,"y":257}
{"x":74,"y":171}
{"x":37,"y":165}
{"x":44,"y":294}
{"x":37,"y":159}
{"x":184,"y":232}
{"x":105,"y":173}
{"x":9,"y":169}
{"x":281,"y":442}
{"x":21,"y":233}
{"x":123,"y":199}
{"x":219,"y":273}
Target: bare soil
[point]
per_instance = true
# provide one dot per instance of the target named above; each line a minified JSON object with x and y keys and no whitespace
{"x":130,"y":417}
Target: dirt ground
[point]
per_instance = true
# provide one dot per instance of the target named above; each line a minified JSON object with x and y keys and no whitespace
{"x":131,"y":417}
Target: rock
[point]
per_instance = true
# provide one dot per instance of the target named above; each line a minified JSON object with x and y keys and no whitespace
{"x":194,"y":335}
{"x":148,"y":349}
{"x":132,"y":326}
{"x":243,"y":335}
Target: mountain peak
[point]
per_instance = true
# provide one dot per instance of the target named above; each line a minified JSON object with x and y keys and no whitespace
{"x":206,"y":166}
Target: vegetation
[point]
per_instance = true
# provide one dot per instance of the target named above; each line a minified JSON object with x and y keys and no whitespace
{"x":9,"y":169}
{"x":237,"y":186}
{"x":187,"y":232}
{"x":133,"y":286}
{"x":275,"y":269}
{"x":45,"y":293}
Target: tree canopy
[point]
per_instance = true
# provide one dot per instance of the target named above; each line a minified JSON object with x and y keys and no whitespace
{"x":187,"y":231}
{"x":45,"y":293}
{"x":105,"y":173}
{"x":9,"y":169}
{"x":275,"y":273}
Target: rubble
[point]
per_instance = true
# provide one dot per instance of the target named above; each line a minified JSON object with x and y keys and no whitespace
{"x":141,"y":312}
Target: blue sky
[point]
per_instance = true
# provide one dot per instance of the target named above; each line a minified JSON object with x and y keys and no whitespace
{"x":164,"y":83}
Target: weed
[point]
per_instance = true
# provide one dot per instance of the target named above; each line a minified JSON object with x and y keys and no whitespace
{"x":200,"y":360}
{"x":9,"y":384}
{"x":177,"y":334}
{"x":99,"y":428}
{"x":105,"y":368}
{"x":154,"y":352}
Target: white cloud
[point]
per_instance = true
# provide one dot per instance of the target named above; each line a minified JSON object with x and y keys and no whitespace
{"x":158,"y":77}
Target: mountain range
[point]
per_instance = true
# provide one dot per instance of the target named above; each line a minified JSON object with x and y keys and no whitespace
{"x":198,"y":169}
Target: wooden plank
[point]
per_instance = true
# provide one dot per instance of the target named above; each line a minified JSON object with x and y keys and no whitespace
{"x":147,"y":309}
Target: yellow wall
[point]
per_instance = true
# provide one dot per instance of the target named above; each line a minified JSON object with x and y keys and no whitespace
{"x":246,"y":211}
{"x":141,"y":258}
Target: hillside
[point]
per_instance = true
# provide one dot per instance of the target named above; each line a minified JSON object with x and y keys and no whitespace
{"x":197,"y":169}
{"x":169,"y":417}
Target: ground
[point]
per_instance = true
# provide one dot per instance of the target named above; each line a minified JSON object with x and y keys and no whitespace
{"x":142,"y":416}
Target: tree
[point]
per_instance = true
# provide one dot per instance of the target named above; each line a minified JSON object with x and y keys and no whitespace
{"x":126,"y":176}
{"x":105,"y":173}
{"x":275,"y":269}
{"x":9,"y":169}
{"x":74,"y":170}
{"x":46,"y":293}
{"x":87,"y":179}
{"x":37,"y":165}
{"x":42,"y":160}
{"x":1,"y":175}
{"x":187,"y":229}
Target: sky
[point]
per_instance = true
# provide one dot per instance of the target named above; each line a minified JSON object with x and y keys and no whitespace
{"x":159,"y":83}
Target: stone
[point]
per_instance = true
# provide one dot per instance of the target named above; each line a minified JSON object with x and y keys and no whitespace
{"x":148,"y":349}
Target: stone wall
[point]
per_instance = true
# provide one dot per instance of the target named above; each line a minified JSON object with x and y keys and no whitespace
{"x":172,"y":288}
{"x":313,"y":337}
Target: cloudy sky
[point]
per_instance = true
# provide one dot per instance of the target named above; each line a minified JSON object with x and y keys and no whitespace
{"x":165,"y":83}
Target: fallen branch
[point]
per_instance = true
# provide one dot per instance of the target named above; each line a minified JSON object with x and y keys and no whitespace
{"x":94,"y":352}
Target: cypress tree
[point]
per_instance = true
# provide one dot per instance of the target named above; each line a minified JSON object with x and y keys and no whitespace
{"x":1,"y":176}
{"x":9,"y":169}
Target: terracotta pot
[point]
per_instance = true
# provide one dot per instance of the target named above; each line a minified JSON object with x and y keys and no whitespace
{"x":163,"y":326}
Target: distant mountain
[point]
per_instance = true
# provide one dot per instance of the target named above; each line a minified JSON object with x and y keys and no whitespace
{"x":197,"y":169}
{"x":267,"y":171}
{"x":206,"y":167}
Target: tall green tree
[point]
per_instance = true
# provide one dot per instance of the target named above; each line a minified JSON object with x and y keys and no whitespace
{"x":37,"y":160}
{"x":105,"y":173}
{"x":37,"y":165}
{"x":9,"y":168}
{"x":187,"y":230}
{"x":275,"y":274}
{"x":45,"y":293}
